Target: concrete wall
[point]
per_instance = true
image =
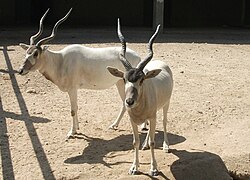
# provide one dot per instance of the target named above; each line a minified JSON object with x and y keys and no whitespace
{"x":92,"y":12}
{"x":202,"y":13}
{"x":7,"y":12}
{"x":177,"y":13}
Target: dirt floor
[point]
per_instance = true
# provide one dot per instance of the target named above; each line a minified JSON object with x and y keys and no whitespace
{"x":208,"y":120}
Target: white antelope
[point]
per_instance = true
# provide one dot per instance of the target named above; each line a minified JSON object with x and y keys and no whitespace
{"x":148,"y":87}
{"x":75,"y":67}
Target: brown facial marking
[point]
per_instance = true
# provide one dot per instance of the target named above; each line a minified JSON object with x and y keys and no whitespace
{"x":27,"y":65}
{"x":133,"y":91}
{"x":131,"y":96}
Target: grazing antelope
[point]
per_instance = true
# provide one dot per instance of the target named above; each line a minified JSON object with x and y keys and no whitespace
{"x":148,"y":87}
{"x":75,"y":67}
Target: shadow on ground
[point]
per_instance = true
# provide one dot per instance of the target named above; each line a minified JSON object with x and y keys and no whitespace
{"x":5,"y":153}
{"x":98,"y":148}
{"x":198,"y":165}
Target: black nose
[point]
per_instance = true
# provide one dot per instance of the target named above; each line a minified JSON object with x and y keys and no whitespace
{"x":130,"y":101}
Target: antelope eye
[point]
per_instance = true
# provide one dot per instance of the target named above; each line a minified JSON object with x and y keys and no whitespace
{"x":35,"y":54}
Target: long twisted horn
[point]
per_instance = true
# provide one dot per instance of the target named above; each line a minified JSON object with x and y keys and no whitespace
{"x":143,"y":63}
{"x":53,"y":34}
{"x":123,"y":59}
{"x":34,"y":37}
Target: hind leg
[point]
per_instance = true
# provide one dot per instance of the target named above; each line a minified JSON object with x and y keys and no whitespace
{"x":74,"y":108}
{"x":145,"y":144}
{"x":165,"y":142}
{"x":121,"y":91}
{"x":144,"y":126}
{"x":152,"y":125}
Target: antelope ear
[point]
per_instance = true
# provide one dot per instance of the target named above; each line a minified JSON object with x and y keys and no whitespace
{"x":152,"y":73}
{"x":115,"y":72}
{"x":24,"y":46}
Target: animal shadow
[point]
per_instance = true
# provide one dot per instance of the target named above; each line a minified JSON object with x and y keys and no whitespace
{"x":198,"y":165}
{"x":159,"y":138}
{"x":98,"y":148}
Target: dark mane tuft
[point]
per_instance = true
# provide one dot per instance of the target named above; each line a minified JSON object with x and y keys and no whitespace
{"x":134,"y":75}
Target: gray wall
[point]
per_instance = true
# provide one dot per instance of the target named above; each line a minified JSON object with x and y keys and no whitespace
{"x":7,"y":11}
{"x":177,"y":13}
{"x":199,"y":13}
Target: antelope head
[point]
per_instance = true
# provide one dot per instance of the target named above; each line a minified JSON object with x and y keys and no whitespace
{"x":34,"y":51}
{"x":134,"y":77}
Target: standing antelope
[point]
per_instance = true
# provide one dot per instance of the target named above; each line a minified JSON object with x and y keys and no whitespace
{"x":148,"y":87}
{"x":75,"y":67}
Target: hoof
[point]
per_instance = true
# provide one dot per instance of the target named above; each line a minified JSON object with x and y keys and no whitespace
{"x":166,"y":148}
{"x":133,"y":172}
{"x":145,"y":147}
{"x":154,"y":172}
{"x":113,"y":127}
{"x":144,"y":129}
{"x":69,"y":137}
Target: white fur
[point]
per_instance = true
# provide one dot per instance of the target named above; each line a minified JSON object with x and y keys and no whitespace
{"x":153,"y":94}
{"x":78,"y":66}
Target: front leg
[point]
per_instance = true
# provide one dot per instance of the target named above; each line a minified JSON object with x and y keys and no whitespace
{"x":73,"y":102}
{"x":165,"y":142}
{"x":136,"y":142}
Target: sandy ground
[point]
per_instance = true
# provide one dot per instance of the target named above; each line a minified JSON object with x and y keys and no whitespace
{"x":208,"y":120}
